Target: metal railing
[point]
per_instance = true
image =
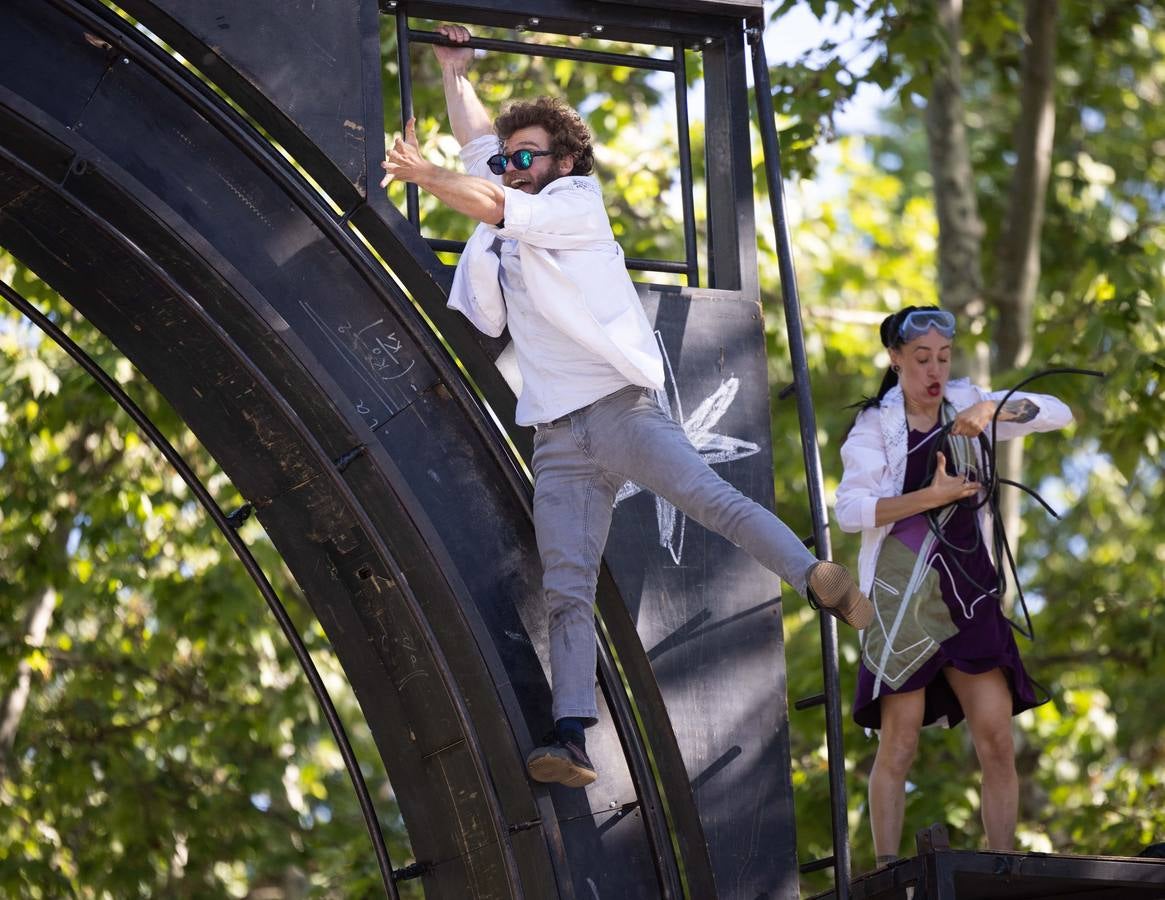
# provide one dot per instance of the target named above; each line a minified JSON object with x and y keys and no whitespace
{"x":677,"y":65}
{"x":831,"y":697}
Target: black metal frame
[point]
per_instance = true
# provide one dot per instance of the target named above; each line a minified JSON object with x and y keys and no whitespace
{"x":731,"y":231}
{"x":677,"y":66}
{"x":135,"y":45}
{"x":939,"y":873}
{"x":734,"y":271}
{"x":731,"y":254}
{"x":158,"y":63}
{"x":841,"y":860}
{"x":63,"y":173}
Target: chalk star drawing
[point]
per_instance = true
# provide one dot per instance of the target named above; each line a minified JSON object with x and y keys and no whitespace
{"x":713,"y":447}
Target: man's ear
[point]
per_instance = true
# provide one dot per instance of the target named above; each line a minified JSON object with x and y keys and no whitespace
{"x":563,"y":165}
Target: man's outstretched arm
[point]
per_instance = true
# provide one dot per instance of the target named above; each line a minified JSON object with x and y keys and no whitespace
{"x":467,"y":117}
{"x":478,"y":198}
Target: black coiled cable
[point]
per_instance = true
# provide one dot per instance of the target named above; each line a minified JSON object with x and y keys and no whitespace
{"x":991,"y":480}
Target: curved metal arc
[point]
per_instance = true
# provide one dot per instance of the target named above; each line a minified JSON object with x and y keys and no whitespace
{"x":342,"y":487}
{"x":258,"y":151}
{"x":224,"y":119}
{"x":329,"y":225}
{"x":150,"y":430}
{"x":659,"y":823}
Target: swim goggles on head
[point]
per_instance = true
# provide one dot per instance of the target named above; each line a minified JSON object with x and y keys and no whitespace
{"x":522,"y":160}
{"x":918,"y":322}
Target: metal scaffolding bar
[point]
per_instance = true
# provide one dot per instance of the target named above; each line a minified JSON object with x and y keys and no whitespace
{"x":405,"y":77}
{"x":808,"y":422}
{"x":528,"y":48}
{"x":683,"y":135}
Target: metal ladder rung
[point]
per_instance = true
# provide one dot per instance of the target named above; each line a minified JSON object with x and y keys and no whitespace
{"x":816,"y":865}
{"x":810,"y":701}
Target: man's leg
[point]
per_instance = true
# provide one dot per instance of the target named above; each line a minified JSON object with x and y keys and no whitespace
{"x":628,"y":433}
{"x":572,"y":515}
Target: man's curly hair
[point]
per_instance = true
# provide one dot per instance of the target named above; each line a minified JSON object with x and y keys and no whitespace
{"x":569,"y":135}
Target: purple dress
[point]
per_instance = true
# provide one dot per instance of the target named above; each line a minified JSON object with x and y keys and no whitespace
{"x":951,"y":617}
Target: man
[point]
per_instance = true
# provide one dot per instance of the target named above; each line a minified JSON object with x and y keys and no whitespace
{"x":544,"y":261}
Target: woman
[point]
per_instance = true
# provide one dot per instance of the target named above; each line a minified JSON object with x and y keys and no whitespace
{"x":939,"y":645}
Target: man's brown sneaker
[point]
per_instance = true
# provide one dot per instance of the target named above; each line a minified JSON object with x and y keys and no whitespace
{"x":562,"y":762}
{"x":836,"y":592}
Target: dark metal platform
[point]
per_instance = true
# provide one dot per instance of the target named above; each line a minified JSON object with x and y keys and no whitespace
{"x":941,"y":873}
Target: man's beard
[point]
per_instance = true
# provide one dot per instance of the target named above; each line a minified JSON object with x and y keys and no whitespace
{"x":535,"y":183}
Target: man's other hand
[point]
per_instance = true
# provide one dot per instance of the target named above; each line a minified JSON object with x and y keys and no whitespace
{"x":458,"y":58}
{"x":404,"y":161}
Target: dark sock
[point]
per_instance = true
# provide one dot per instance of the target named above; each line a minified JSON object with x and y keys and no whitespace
{"x":571,"y":729}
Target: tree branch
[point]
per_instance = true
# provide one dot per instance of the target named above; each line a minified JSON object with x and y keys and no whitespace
{"x":960,"y":228}
{"x":37,"y":619}
{"x":1018,"y":253}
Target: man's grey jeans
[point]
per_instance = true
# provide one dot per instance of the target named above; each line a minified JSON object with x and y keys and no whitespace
{"x":580,"y":462}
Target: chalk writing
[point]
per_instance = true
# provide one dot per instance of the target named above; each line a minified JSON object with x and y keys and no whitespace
{"x":714,"y":448}
{"x":378,"y":359}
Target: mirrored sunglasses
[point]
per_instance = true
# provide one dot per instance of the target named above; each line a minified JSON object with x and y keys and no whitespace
{"x":522,"y":160}
{"x":919,"y":321}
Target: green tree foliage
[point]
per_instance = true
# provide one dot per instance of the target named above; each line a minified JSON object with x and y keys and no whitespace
{"x":169,"y":747}
{"x":1090,"y":761}
{"x":157,"y":737}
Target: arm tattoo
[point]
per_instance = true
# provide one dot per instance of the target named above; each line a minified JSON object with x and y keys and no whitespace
{"x":1019,"y":410}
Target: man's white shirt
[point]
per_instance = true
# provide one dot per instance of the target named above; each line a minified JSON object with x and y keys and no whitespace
{"x":555,"y":274}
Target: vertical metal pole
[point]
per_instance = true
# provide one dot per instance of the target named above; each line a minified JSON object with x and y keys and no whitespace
{"x":685,"y":146}
{"x":406,"y":100}
{"x":711,"y":241}
{"x":772,"y":154}
{"x":731,"y":222}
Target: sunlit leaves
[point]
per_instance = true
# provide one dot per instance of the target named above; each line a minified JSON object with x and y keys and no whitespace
{"x":1092,"y":762}
{"x":162,"y":700}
